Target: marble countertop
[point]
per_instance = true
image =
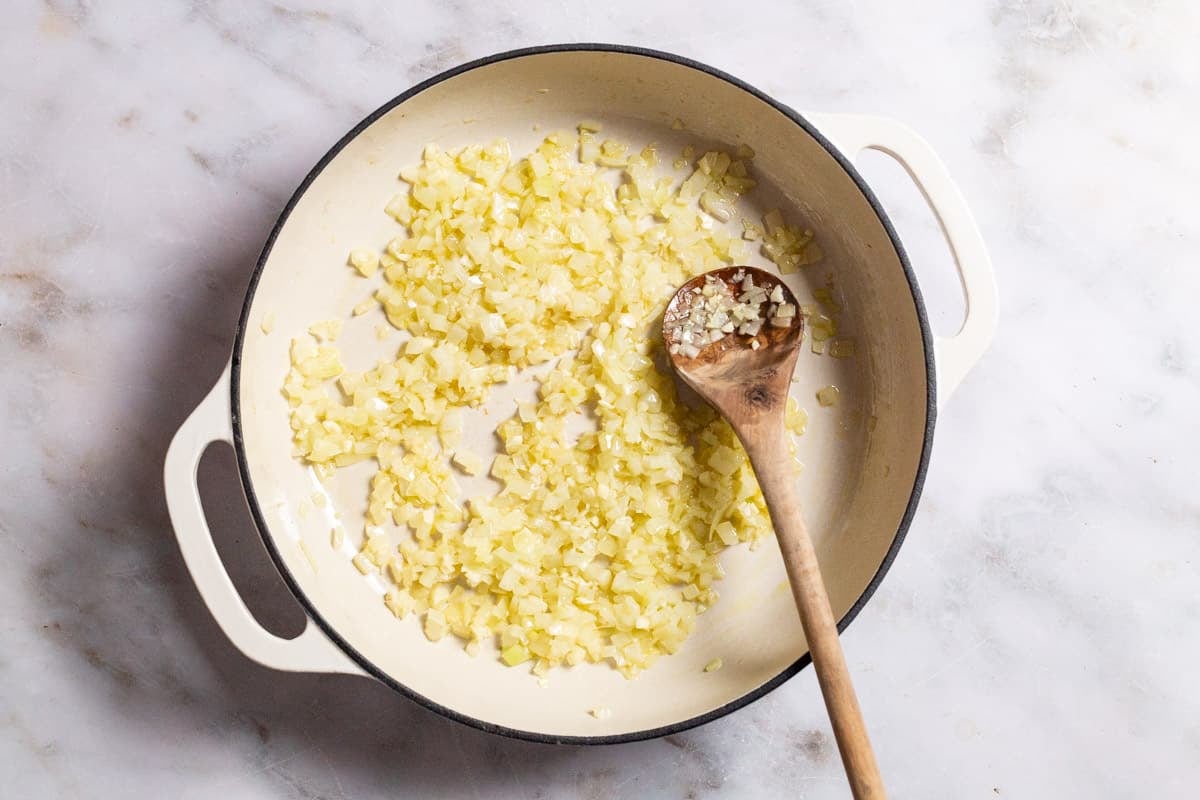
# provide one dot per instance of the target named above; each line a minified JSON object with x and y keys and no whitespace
{"x":1036,"y":636}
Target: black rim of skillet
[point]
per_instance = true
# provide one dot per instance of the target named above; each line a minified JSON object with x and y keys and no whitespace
{"x":365,"y":663}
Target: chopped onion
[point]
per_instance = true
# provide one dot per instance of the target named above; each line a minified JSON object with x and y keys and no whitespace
{"x":600,"y":547}
{"x":827,"y":395}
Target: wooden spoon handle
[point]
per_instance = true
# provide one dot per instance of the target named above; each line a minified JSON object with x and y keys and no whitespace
{"x":775,"y":477}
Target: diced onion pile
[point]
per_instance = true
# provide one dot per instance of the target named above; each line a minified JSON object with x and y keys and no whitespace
{"x":597,"y":547}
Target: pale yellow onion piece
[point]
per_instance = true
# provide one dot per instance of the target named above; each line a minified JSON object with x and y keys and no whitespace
{"x":365,"y":261}
{"x":827,"y":395}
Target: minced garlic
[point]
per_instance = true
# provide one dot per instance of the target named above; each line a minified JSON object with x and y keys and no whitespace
{"x":717,"y":310}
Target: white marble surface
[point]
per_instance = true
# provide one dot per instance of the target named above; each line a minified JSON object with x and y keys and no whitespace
{"x":1037,"y":637}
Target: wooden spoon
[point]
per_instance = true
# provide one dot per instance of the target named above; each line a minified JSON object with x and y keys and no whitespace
{"x":749,"y":387}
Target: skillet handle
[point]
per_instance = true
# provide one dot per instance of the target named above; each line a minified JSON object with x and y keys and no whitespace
{"x":956,"y":355}
{"x":311,"y":651}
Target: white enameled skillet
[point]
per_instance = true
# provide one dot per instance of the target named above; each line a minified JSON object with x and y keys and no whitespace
{"x":865,"y":459}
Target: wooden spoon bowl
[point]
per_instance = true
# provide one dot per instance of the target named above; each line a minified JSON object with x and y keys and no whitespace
{"x":730,"y":367}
